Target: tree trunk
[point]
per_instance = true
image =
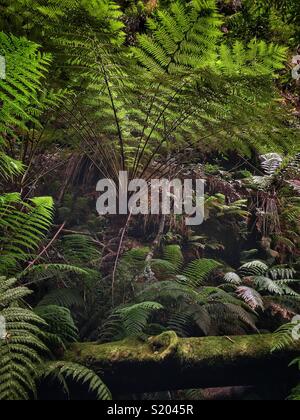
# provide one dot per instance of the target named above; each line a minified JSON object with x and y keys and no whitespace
{"x":167,"y":362}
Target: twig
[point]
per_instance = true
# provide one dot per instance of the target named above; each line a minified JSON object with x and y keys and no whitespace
{"x":117,"y":259}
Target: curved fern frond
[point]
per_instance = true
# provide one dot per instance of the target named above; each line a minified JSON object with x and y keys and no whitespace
{"x":18,"y":92}
{"x":281,"y":273}
{"x":135,"y":318}
{"x":251,"y":297}
{"x":22,"y":227}
{"x":66,"y":298}
{"x":129,"y":321}
{"x":78,"y":248}
{"x":230,"y":319}
{"x":184,"y":37}
{"x":181,"y":323}
{"x":233,"y":278}
{"x":295,"y":395}
{"x":162,"y":268}
{"x":198,"y":271}
{"x":173,"y":254}
{"x":41,"y":272}
{"x":166,"y":292}
{"x":59,"y":321}
{"x":276,"y":287}
{"x":21,"y":346}
{"x":253,"y":268}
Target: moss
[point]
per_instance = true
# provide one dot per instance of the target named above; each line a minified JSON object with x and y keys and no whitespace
{"x":165,"y":344}
{"x":130,"y":349}
{"x":218,"y":351}
{"x":205,"y":352}
{"x":169,"y":362}
{"x":224,"y":346}
{"x":110,"y":352}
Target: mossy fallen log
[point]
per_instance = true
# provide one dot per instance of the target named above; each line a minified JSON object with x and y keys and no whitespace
{"x":167,"y":362}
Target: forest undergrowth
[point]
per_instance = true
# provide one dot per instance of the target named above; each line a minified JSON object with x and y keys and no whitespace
{"x":203,"y":89}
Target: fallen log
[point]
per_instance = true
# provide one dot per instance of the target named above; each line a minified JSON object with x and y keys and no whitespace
{"x":167,"y":362}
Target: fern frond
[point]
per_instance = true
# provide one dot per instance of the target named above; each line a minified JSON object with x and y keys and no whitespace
{"x":253,"y":268}
{"x":173,"y":254}
{"x":78,"y":248}
{"x":166,"y":292}
{"x":59,"y":322}
{"x":135,"y":317}
{"x":198,"y":271}
{"x":276,"y":287}
{"x":295,"y":395}
{"x":41,"y":272}
{"x":18,"y":92}
{"x":281,"y":273}
{"x":22,"y":227}
{"x":183,"y":38}
{"x":21,"y":348}
{"x":66,"y":298}
{"x":251,"y":297}
{"x":128,"y":321}
{"x":271,"y":162}
{"x":163,"y":269}
{"x":286,"y":335}
{"x":230,"y":319}
{"x":181,"y":323}
{"x":233,"y":278}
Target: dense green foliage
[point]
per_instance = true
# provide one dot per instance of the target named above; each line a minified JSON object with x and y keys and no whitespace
{"x":171,"y":88}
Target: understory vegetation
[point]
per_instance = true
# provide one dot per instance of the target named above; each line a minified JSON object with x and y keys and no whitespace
{"x":199,"y":89}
